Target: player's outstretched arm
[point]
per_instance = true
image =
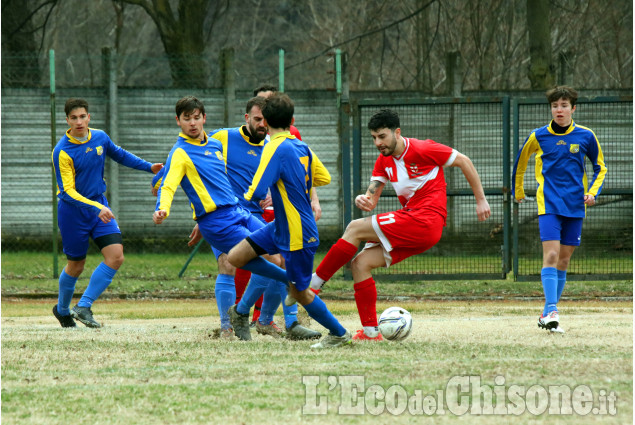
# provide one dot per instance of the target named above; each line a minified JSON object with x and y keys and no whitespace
{"x":368,"y":201}
{"x":471,"y":175}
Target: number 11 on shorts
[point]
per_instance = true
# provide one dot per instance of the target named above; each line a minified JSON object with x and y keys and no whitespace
{"x":386,"y":219}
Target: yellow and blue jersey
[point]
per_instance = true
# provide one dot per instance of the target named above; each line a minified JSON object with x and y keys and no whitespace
{"x":242,"y":157}
{"x":198,"y":167}
{"x":560,"y":170}
{"x":290,"y":169}
{"x":79,"y":167}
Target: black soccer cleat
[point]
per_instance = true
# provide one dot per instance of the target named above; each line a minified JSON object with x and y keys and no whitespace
{"x":85,"y":315}
{"x":66,"y":321}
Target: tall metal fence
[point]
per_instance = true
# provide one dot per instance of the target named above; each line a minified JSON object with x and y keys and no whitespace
{"x":482,"y":128}
{"x":607,"y":234}
{"x":487,"y":129}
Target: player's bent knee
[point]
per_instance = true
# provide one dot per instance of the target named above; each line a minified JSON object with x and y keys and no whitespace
{"x":224,"y":266}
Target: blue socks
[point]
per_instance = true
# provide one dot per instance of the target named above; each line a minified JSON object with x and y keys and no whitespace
{"x":99,"y":281}
{"x":65,"y":294}
{"x":272,"y":298}
{"x":254,"y":290}
{"x":290,"y":312}
{"x":321,"y":314}
{"x":225,"y":293}
{"x":549,"y":277}
{"x":270,"y":301}
{"x":562,"y":280}
{"x":262,"y":267}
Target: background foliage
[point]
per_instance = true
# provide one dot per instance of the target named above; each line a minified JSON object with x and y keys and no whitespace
{"x":391,"y":45}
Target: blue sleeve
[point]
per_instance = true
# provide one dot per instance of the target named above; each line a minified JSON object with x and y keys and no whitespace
{"x":126,"y":158}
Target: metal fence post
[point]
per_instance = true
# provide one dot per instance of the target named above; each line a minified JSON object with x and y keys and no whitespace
{"x":54,"y":179}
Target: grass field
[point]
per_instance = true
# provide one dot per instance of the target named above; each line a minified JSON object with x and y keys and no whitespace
{"x":157,"y":361}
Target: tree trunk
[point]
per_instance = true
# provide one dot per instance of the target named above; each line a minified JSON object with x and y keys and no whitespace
{"x":182,"y":37}
{"x":541,"y":70}
{"x":19,"y":50}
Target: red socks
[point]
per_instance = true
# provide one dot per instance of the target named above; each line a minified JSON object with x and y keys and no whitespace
{"x":240,"y":281}
{"x":339,"y":254}
{"x":366,"y":299}
{"x":257,"y":306}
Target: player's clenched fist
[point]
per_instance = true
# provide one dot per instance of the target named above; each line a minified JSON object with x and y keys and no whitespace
{"x":363,"y":202}
{"x":158,"y":216}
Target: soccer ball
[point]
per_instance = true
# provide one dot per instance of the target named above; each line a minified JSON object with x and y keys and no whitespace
{"x":395,"y":324}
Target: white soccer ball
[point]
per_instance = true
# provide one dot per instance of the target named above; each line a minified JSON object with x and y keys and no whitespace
{"x":395,"y":324}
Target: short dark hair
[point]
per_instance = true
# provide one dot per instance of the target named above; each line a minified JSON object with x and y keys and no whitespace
{"x":562,"y":92}
{"x":74,"y":103}
{"x":188,"y":104}
{"x":265,"y":87}
{"x":258,"y":101}
{"x":278,"y":110}
{"x":385,"y":118}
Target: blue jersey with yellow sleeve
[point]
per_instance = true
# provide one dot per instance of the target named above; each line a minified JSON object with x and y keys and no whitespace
{"x":560,"y":169}
{"x":198,"y":167}
{"x":79,"y":167}
{"x":290,"y":169}
{"x":242,"y":157}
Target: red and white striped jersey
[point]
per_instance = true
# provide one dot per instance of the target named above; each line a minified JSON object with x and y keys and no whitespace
{"x":417,"y":174}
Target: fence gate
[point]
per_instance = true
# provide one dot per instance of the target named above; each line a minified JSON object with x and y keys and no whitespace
{"x":476,"y":127}
{"x":481,"y":128}
{"x":606,"y":251}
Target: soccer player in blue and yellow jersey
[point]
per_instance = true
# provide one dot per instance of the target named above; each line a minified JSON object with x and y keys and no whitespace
{"x":290,"y":170}
{"x":563,"y":191}
{"x":83,"y":213}
{"x":242,"y":147}
{"x":196,"y":163}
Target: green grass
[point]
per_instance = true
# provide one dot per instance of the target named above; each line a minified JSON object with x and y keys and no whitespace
{"x":157,"y":362}
{"x":156,"y":275}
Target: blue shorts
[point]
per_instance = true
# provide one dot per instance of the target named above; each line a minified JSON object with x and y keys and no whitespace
{"x":217,"y":252}
{"x":225,"y":227}
{"x":78,"y":225}
{"x":299,"y":264}
{"x":567,"y":230}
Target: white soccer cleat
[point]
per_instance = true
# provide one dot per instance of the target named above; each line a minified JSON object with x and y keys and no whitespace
{"x":550,"y":321}
{"x":557,"y":330}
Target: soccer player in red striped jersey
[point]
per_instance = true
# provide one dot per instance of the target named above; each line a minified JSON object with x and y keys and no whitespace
{"x":415,"y":170}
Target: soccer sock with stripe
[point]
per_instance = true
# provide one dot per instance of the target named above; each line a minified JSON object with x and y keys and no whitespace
{"x":290,"y":311}
{"x":340,"y":253}
{"x":225,"y":293}
{"x":270,"y":302}
{"x":321,"y":314}
{"x":550,"y":287}
{"x":241,"y":279}
{"x":65,"y":294}
{"x":99,"y":281}
{"x":366,"y":300}
{"x":255,"y":289}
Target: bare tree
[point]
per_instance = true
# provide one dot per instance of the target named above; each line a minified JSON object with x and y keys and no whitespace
{"x":183,"y":36}
{"x":20,"y":46}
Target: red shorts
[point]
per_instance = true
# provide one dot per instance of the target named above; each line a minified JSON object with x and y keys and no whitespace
{"x":404,"y":233}
{"x":268,"y":215}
